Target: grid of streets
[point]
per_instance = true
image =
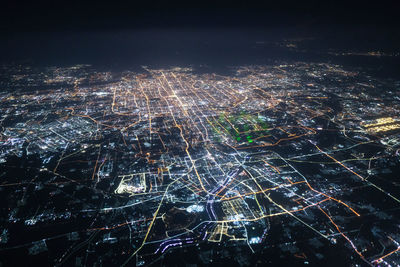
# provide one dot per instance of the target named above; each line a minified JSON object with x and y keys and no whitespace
{"x":297,"y":157}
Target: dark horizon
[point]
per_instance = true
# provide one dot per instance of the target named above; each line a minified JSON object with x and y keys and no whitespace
{"x":182,"y":32}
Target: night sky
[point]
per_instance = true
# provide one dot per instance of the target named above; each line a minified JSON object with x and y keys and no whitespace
{"x":173,"y":32}
{"x":101,"y":15}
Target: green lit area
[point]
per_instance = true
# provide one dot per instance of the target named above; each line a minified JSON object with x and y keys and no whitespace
{"x":240,"y":127}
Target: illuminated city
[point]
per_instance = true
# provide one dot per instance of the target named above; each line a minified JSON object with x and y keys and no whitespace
{"x":288,"y":163}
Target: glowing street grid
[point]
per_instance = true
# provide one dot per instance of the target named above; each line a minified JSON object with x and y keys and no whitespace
{"x":133,"y":166}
